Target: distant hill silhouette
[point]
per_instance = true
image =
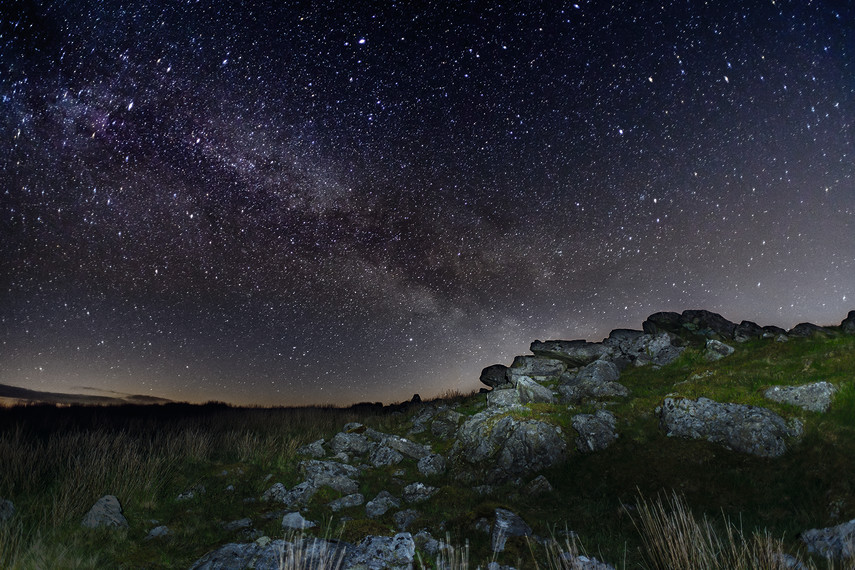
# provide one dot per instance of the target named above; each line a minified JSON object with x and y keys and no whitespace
{"x":25,"y":394}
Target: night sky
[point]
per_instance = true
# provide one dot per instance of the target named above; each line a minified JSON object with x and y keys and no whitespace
{"x":328,"y":202}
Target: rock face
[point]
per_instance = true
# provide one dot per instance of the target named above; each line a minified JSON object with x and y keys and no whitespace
{"x":596,"y":431}
{"x":572,"y":352}
{"x":595,"y":381}
{"x":106,"y":512}
{"x":508,"y":448}
{"x":832,"y":542}
{"x":815,"y":397}
{"x":747,"y":429}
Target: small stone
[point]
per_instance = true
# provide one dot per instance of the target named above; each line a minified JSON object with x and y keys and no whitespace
{"x":275,"y":493}
{"x":538,"y":486}
{"x":508,"y":524}
{"x":106,"y":512}
{"x":379,"y":505}
{"x":716,"y":350}
{"x":238,"y":524}
{"x":433,"y":464}
{"x":346,"y":502}
{"x":418,"y":492}
{"x":158,"y":531}
{"x":296,"y":521}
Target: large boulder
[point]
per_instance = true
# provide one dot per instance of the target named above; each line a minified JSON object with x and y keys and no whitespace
{"x":708,"y":324}
{"x":596,"y":431}
{"x":573,"y":352}
{"x":537,"y":368}
{"x":747,"y":429}
{"x":350,"y":443}
{"x":664,"y":321}
{"x":106,"y":512}
{"x":815,"y":397}
{"x":848,"y":324}
{"x":747,"y":330}
{"x":506,"y":447}
{"x":495,"y":376}
{"x":807,"y":330}
{"x":832,"y":542}
{"x":595,"y":381}
{"x":532,"y":392}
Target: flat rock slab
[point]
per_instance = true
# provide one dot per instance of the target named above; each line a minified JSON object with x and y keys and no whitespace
{"x":747,"y":429}
{"x":573,"y":352}
{"x":815,"y":397}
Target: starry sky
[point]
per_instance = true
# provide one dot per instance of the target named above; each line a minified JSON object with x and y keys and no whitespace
{"x":288,"y":202}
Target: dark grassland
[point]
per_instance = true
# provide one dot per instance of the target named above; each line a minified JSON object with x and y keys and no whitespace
{"x":56,"y":462}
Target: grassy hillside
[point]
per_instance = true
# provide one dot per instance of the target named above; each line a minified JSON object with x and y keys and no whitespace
{"x":56,"y":462}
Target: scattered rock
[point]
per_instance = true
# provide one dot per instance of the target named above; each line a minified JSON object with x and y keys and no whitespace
{"x":330,"y":474}
{"x":314,"y":449}
{"x":532,"y":392}
{"x":276,"y":493}
{"x":405,"y":446}
{"x":379,"y":505}
{"x":7,"y":510}
{"x":191,"y":493}
{"x":747,"y":429}
{"x":403,"y":519}
{"x":495,"y":376}
{"x":418,"y":492}
{"x":251,"y":555}
{"x":507,"y":524}
{"x":815,"y":397}
{"x":106,"y":512}
{"x":384,"y":552}
{"x":716,"y":350}
{"x":383,"y":455}
{"x":596,"y":431}
{"x":504,"y":398}
{"x":158,"y":532}
{"x":350,"y":443}
{"x":540,"y":485}
{"x":433,"y":464}
{"x":832,"y":542}
{"x":573,"y":352}
{"x":346,"y":502}
{"x":296,"y":521}
{"x":300,"y":495}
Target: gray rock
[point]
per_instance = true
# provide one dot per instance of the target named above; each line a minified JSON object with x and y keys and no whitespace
{"x":314,"y":449}
{"x":537,"y":368}
{"x":330,"y":474}
{"x":708,"y":324}
{"x":532,"y":392}
{"x":508,"y":448}
{"x":238,"y":524}
{"x":595,"y":381}
{"x":350,"y":443}
{"x":7,"y":510}
{"x":832,"y":542}
{"x":418,"y":492}
{"x":276,"y":493}
{"x":433,"y":464}
{"x":265,"y":554}
{"x":640,"y":349}
{"x":540,"y":485}
{"x":403,"y":519}
{"x":848,"y":324}
{"x":380,"y":505}
{"x":495,"y":376}
{"x":716,"y":350}
{"x":405,"y":446}
{"x":296,"y":521}
{"x":445,"y":423}
{"x":786,"y":561}
{"x":580,"y":562}
{"x":384,"y":552}
{"x":573,"y":352}
{"x":158,"y":532}
{"x":664,"y":321}
{"x":191,"y":493}
{"x":382,"y":456}
{"x":815,"y":397}
{"x":503,"y":398}
{"x":746,"y":330}
{"x":806,"y":330}
{"x":770,"y":331}
{"x":747,"y":429}
{"x":506,"y":525}
{"x":106,"y":512}
{"x":596,"y":431}
{"x":426,"y":543}
{"x":346,"y":502}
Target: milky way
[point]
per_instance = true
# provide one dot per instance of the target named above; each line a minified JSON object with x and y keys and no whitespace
{"x":330,"y":202}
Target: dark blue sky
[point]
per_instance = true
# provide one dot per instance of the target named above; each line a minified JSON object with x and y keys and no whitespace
{"x":308,"y":202}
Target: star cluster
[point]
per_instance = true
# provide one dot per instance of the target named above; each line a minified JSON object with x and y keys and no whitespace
{"x":331,"y":202}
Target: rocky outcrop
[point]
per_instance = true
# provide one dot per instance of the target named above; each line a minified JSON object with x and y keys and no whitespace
{"x":507,"y":448}
{"x":596,"y":431}
{"x":598,"y":380}
{"x":572,"y":352}
{"x":747,"y":429}
{"x":832,"y":542}
{"x":106,"y":512}
{"x":637,"y":348}
{"x":815,"y":397}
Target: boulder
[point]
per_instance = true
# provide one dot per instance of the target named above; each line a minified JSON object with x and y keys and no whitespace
{"x":506,"y":525}
{"x":716,"y":350}
{"x":504,"y":398}
{"x":537,"y":368}
{"x":495,"y":376}
{"x":382,"y":455}
{"x":7,"y":510}
{"x":848,"y":324}
{"x":708,"y":324}
{"x":507,"y":447}
{"x":771,"y":331}
{"x":238,"y":524}
{"x":665,"y":321}
{"x":332,"y":474}
{"x":314,"y":449}
{"x":406,"y":447}
{"x":296,"y":521}
{"x":403,"y":519}
{"x":640,"y":349}
{"x":747,"y":429}
{"x":815,"y":397}
{"x":276,"y":493}
{"x":540,"y":485}
{"x":746,"y":330}
{"x":350,"y":443}
{"x":806,"y":330}
{"x":595,"y":381}
{"x":384,"y":552}
{"x":106,"y":512}
{"x":379,"y":505}
{"x":346,"y":502}
{"x":300,"y":495}
{"x":572,"y":352}
{"x":532,"y":392}
{"x":596,"y":431}
{"x":430,"y":465}
{"x":445,"y":424}
{"x":832,"y":542}
{"x":418,"y":492}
